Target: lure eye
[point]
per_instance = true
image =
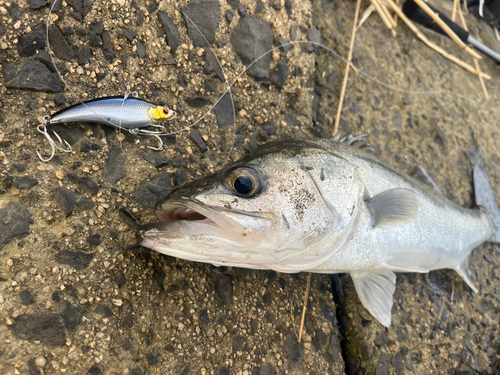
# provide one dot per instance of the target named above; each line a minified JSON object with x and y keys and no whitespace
{"x":245,"y":182}
{"x":165,"y":111}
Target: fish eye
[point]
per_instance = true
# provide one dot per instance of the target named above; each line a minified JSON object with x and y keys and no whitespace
{"x":244,"y":181}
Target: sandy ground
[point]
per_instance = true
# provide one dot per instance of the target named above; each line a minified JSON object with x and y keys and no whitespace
{"x":77,"y":296}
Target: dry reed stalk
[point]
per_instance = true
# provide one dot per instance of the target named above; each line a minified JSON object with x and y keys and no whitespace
{"x":383,"y":16}
{"x":446,"y":29}
{"x":367,"y":13}
{"x":456,"y":4}
{"x":308,"y":287}
{"x":424,"y":39}
{"x":346,"y":74}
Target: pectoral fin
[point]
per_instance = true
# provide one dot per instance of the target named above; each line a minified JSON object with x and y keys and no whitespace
{"x":375,"y":290}
{"x":463,"y":270}
{"x":393,"y":206}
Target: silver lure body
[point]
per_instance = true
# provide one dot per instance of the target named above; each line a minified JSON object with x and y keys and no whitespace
{"x":129,"y":113}
{"x":325,"y":207}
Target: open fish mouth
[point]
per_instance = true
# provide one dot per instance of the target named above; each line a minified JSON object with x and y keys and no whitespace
{"x":185,"y":220}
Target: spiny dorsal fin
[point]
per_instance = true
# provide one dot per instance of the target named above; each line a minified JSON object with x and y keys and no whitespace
{"x":393,"y":206}
{"x":375,"y":290}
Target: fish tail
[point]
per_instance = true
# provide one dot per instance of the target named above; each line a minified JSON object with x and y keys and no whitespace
{"x":485,"y":198}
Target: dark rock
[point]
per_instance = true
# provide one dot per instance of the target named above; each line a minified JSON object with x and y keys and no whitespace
{"x":27,"y":298}
{"x":107,"y":47}
{"x":397,"y":119}
{"x":150,"y":192}
{"x":94,"y":239}
{"x":334,"y":351}
{"x":198,"y":101}
{"x":97,"y":28}
{"x":285,"y":47}
{"x":84,"y":183}
{"x":25,"y":182}
{"x":27,"y":45}
{"x":381,"y":340}
{"x":224,"y":289}
{"x":56,"y":297}
{"x":242,"y":11}
{"x":382,"y":365}
{"x":45,"y":59}
{"x":267,"y":370}
{"x":251,"y":38}
{"x":212,"y":65}
{"x":60,"y":45}
{"x":294,"y":29}
{"x":224,"y":110}
{"x":209,"y":86}
{"x":293,"y":351}
{"x":230,"y":15}
{"x":157,"y":160}
{"x":76,"y":4}
{"x":171,"y":31}
{"x":32,"y":369}
{"x":104,"y":310}
{"x":291,"y":120}
{"x":38,"y":4}
{"x":31,"y":75}
{"x":15,"y":222}
{"x":95,"y":41}
{"x":114,"y":170}
{"x":153,"y":359}
{"x":59,"y":98}
{"x":406,"y":101}
{"x":76,"y":259}
{"x":270,"y":129}
{"x":314,"y":36}
{"x":85,"y":204}
{"x":288,"y":8}
{"x":319,"y":339}
{"x":238,"y":343}
{"x":195,"y":135}
{"x":66,"y":200}
{"x":260,"y":7}
{"x":206,"y":16}
{"x":131,"y":34}
{"x":128,"y":218}
{"x":179,"y":177}
{"x":137,"y":371}
{"x":400,"y":334}
{"x":204,"y":318}
{"x":84,"y":55}
{"x":72,"y":135}
{"x":71,"y":315}
{"x":141,"y":50}
{"x":95,"y":370}
{"x":49,"y":328}
{"x":278,"y":75}
{"x":397,"y":363}
{"x":20,"y":167}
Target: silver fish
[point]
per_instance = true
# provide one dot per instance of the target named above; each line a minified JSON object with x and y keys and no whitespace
{"x":325,"y":207}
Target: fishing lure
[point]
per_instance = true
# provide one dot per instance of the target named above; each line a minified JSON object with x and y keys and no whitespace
{"x":123,"y":112}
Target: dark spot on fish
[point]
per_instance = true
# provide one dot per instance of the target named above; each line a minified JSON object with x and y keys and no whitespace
{"x":322,"y":175}
{"x":306,"y":168}
{"x":235,"y":200}
{"x":353,"y":208}
{"x":286,"y":222}
{"x":244,"y":234}
{"x":228,"y":206}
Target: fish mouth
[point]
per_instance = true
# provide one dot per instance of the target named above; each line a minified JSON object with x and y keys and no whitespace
{"x":187,"y":218}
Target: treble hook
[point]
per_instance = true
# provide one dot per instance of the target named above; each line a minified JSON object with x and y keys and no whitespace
{"x":151,"y":133}
{"x":42,"y":128}
{"x":159,"y":140}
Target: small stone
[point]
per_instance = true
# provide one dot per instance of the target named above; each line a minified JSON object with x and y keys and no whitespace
{"x":60,"y":45}
{"x":28,"y":45}
{"x":131,"y":34}
{"x":16,"y":221}
{"x":71,"y":315}
{"x":171,"y":31}
{"x":278,"y":76}
{"x":397,"y":363}
{"x":206,"y":16}
{"x":157,"y":160}
{"x":198,"y":101}
{"x":31,"y":75}
{"x":95,"y":370}
{"x":382,"y":365}
{"x":267,"y":370}
{"x":25,"y":182}
{"x":94,"y":239}
{"x":195,"y":135}
{"x":76,"y":259}
{"x":104,"y":310}
{"x":152,"y":191}
{"x":293,"y":351}
{"x":406,"y":101}
{"x":334,"y":351}
{"x":49,"y":328}
{"x":224,"y":289}
{"x":153,"y":359}
{"x":59,"y":98}
{"x":115,"y":166}
{"x":84,"y":55}
{"x":291,"y":120}
{"x":230,"y":15}
{"x":238,"y":343}
{"x":66,"y":200}
{"x":27,"y":298}
{"x":38,"y":4}
{"x":224,"y":110}
{"x":108,"y":48}
{"x":179,"y":177}
{"x":40,"y":361}
{"x":141,"y":50}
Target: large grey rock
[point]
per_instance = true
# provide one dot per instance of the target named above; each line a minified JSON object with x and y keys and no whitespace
{"x":31,"y":75}
{"x":251,"y":39}
{"x":206,"y":16}
{"x":171,"y":31}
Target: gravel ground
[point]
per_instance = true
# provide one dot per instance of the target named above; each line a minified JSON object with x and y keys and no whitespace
{"x":77,"y":296}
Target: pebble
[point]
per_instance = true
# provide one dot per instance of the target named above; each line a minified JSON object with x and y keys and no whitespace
{"x":40,"y":361}
{"x":16,"y":221}
{"x":60,"y":45}
{"x":29,"y":44}
{"x":76,"y":259}
{"x":27,"y":298}
{"x":171,"y":31}
{"x":251,"y":38}
{"x":195,"y":135}
{"x":49,"y":328}
{"x":206,"y":16}
{"x":31,"y":75}
{"x":224,"y":111}
{"x":151,"y":191}
{"x":278,"y":75}
{"x":66,"y":200}
{"x":224,"y":289}
{"x":114,"y":170}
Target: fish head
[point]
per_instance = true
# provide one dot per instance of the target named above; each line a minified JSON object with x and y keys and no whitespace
{"x":266,"y":211}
